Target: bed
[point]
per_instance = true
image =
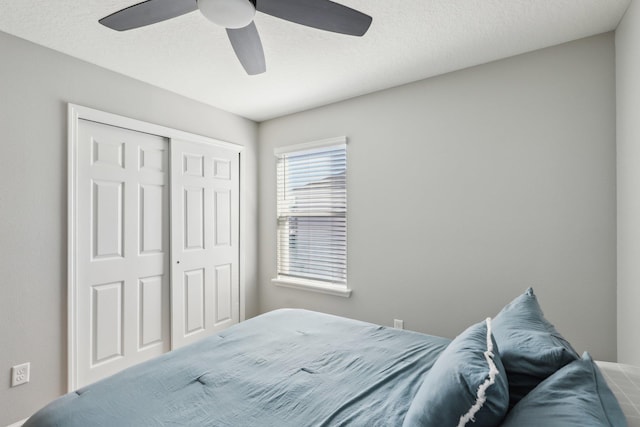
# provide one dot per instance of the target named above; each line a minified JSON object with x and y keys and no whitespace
{"x":624,"y":381}
{"x":295,"y":367}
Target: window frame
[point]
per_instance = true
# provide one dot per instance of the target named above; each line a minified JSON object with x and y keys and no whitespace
{"x":315,"y":285}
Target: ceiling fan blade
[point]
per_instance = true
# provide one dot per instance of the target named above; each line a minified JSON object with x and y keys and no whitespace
{"x":321,"y":14}
{"x":147,"y":13}
{"x":248,"y":47}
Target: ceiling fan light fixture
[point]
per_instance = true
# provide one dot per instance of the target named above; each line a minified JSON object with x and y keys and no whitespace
{"x":228,"y":13}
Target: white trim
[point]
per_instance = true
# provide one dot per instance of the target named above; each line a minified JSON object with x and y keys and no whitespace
{"x":242,"y":258}
{"x":87,"y":113}
{"x":313,"y":285}
{"x":18,"y":423}
{"x":72,"y":226}
{"x":310,"y":146}
{"x":78,"y":112}
{"x":482,"y":389}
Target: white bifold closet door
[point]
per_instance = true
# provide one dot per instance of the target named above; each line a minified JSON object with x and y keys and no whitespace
{"x":157,"y":258}
{"x":123,"y":249}
{"x":204,"y":240}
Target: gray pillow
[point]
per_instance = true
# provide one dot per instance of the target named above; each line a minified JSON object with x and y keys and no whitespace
{"x":466,"y":385}
{"x":577,"y":395}
{"x":531,"y":348}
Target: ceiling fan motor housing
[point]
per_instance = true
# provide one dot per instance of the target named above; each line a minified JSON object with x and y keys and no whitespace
{"x":228,"y":13}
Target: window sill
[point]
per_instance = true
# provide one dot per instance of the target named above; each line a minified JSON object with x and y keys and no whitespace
{"x":313,"y":286}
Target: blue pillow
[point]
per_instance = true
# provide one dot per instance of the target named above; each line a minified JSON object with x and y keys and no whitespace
{"x":466,"y":384}
{"x":530,"y":347}
{"x":577,"y":395}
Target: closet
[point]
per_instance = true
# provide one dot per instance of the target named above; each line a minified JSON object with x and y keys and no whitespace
{"x":154,"y":241}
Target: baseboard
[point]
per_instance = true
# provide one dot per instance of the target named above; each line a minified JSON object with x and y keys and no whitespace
{"x":18,"y":424}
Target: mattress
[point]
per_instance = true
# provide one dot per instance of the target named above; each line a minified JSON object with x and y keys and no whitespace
{"x":284,"y":368}
{"x":624,"y":381}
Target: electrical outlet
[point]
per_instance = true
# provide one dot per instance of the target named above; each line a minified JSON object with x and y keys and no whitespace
{"x":20,"y":374}
{"x":398,"y":324}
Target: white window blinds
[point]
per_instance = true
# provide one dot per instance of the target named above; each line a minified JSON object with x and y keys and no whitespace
{"x":312,"y":212}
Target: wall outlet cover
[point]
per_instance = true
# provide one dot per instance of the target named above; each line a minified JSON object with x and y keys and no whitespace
{"x":20,"y":374}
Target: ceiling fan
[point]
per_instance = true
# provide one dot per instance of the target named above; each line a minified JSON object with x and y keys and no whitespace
{"x":237,"y":17}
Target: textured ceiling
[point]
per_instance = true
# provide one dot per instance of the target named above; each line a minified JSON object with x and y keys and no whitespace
{"x":409,"y":40}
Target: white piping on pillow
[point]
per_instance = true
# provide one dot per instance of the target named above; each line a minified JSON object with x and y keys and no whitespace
{"x":482,"y":389}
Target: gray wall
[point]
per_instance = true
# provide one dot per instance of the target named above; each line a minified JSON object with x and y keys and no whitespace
{"x":628,"y":144}
{"x":466,"y":188}
{"x":35,"y":85}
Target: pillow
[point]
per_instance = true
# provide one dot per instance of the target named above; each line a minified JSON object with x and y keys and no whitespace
{"x":466,"y":384}
{"x":576,"y":395}
{"x":530,"y":347}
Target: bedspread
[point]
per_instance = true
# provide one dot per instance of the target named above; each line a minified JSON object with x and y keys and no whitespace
{"x":284,"y":368}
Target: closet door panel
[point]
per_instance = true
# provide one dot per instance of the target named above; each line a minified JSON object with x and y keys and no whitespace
{"x":123,"y":252}
{"x":205,"y":240}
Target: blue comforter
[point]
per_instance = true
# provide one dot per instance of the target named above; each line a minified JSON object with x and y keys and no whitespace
{"x":284,"y":368}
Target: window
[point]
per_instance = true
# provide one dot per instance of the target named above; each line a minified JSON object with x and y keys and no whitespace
{"x":312,"y":216}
